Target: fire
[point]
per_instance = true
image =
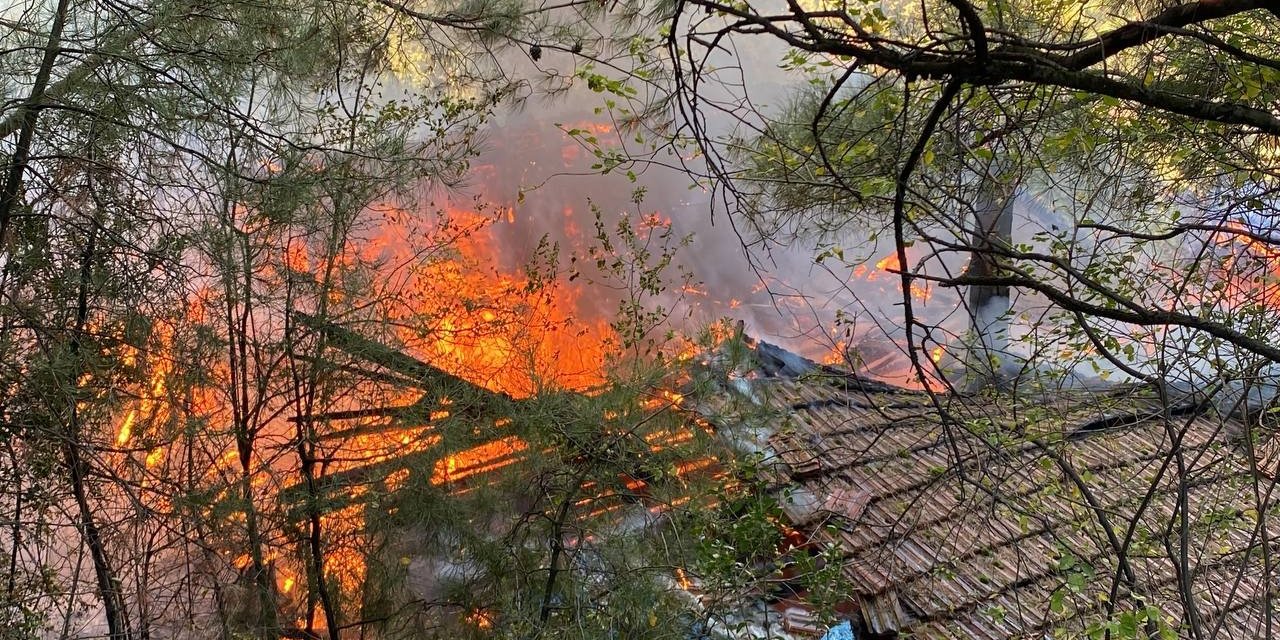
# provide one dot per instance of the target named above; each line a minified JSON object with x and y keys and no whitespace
{"x":151,"y":405}
{"x":1251,"y":269}
{"x":480,"y":619}
{"x":664,"y":399}
{"x":456,"y":307}
{"x":936,"y":355}
{"x":296,"y":257}
{"x":479,"y":459}
{"x":894,"y":368}
{"x":126,"y":428}
{"x":682,"y":579}
{"x":659,"y":440}
{"x":686,"y":468}
{"x":397,"y":479}
{"x":593,"y":128}
{"x":837,"y":355}
{"x":655,"y":221}
{"x":889,"y":263}
{"x":505,"y":331}
{"x":688,"y":352}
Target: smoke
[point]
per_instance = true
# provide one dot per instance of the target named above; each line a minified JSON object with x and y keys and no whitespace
{"x":782,"y":293}
{"x":545,"y":178}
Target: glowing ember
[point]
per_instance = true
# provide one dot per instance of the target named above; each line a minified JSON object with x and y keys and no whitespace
{"x":665,"y":399}
{"x":661,"y":439}
{"x":480,"y":620}
{"x":936,"y":355}
{"x":480,"y":459}
{"x":397,"y":479}
{"x":686,"y":468}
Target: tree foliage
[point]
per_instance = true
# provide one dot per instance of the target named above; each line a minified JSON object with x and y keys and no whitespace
{"x":197,"y":198}
{"x":1134,"y":138}
{"x":1131,"y":149}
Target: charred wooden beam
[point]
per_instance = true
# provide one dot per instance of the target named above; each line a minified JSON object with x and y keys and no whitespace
{"x":426,"y":377}
{"x":330,"y":489}
{"x":367,"y":373}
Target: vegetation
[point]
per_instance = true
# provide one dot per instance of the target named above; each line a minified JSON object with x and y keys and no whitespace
{"x":1136,"y":136}
{"x":256,"y":382}
{"x":1100,"y":179}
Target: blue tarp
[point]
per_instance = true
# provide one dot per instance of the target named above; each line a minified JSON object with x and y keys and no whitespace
{"x":842,"y":631}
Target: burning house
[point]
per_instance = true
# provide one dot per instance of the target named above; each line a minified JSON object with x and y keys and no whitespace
{"x":1130,"y":510}
{"x":467,"y":485}
{"x":951,"y":515}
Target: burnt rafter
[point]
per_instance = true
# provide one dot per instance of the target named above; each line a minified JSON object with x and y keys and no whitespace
{"x":435,"y":382}
{"x":997,"y":58}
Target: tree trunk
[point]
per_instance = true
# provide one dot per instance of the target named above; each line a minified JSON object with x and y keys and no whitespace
{"x":78,"y":469}
{"x":988,"y":304}
{"x":30,"y":112}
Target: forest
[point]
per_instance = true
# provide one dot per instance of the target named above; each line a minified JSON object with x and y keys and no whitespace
{"x":664,"y":319}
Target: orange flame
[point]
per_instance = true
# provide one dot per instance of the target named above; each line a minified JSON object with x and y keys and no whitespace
{"x":1250,"y":273}
{"x":461,"y":310}
{"x":504,"y":331}
{"x":480,"y":619}
{"x":890,"y":264}
{"x":479,"y":459}
{"x":151,"y":405}
{"x":936,"y":355}
{"x":837,"y":355}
